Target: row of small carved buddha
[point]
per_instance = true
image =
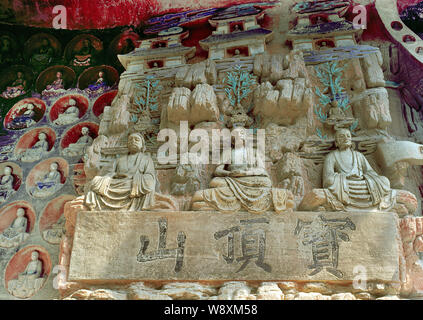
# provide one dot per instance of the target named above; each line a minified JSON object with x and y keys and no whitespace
{"x":349,"y":183}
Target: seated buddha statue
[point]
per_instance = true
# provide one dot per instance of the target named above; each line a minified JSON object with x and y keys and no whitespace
{"x":84,"y":56}
{"x":78,"y":148}
{"x":7,"y":54}
{"x":43,"y":56}
{"x":70,"y":115}
{"x":242,"y":184}
{"x":350,"y":183}
{"x":129,"y":184}
{"x":37,"y":151}
{"x":30,"y":281}
{"x":98,"y":87}
{"x":17,"y":88}
{"x":51,"y":182}
{"x":56,"y":88}
{"x":16,"y":233}
{"x":6,"y":184}
{"x":24,"y":120}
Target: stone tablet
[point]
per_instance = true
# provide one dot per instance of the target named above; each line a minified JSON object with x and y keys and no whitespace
{"x":310,"y":246}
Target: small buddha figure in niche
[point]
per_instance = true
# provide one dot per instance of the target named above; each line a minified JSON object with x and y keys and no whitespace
{"x":37,"y":151}
{"x":350,"y":183}
{"x":100,"y":86}
{"x":6,"y":183}
{"x":30,"y":281}
{"x":84,"y":56}
{"x":25,"y":120}
{"x":79,"y":148}
{"x":50,"y":183}
{"x":70,"y":115}
{"x":6,"y":51}
{"x":335,"y":112}
{"x":55,"y":232}
{"x":57,"y":87}
{"x":43,"y":56}
{"x":242,"y":184}
{"x":130,"y":183}
{"x":17,"y":88}
{"x":16,"y":233}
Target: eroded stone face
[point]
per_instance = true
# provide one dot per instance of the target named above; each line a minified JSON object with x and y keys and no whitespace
{"x":308,"y":246}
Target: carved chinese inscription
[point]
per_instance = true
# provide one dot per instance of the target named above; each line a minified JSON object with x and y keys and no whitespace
{"x":162,"y":252}
{"x":253,"y":243}
{"x":324,"y":235}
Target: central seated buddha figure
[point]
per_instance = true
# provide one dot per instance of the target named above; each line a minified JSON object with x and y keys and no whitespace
{"x":242,"y":184}
{"x":350,"y":183}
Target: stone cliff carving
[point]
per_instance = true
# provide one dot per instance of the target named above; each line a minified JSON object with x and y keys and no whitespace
{"x":6,"y":184}
{"x":71,"y":114}
{"x":350,"y":183}
{"x":79,"y":148}
{"x":37,"y":151}
{"x":30,"y":281}
{"x":51,"y":182}
{"x":55,"y":232}
{"x":129,"y":185}
{"x":186,"y":180}
{"x":242,"y":184}
{"x":16,"y":233}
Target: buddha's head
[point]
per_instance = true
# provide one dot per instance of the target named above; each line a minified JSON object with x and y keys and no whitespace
{"x":45,"y":42}
{"x":239,"y":136}
{"x":136,"y":143}
{"x":72,"y":102}
{"x":54,"y":166}
{"x":101,"y":74}
{"x":58,"y":75}
{"x":20,"y":212}
{"x":343,"y":139}
{"x":85,"y":131}
{"x":19,"y":74}
{"x":34,"y":255}
{"x":42,"y":136}
{"x":7,"y":170}
{"x":30,"y":106}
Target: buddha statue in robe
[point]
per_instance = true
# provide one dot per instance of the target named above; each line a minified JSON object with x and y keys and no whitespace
{"x":30,"y":281}
{"x":56,"y":88}
{"x":17,"y":88}
{"x":24,"y":120}
{"x":37,"y":151}
{"x":16,"y":233}
{"x":99,"y":87}
{"x":84,"y":56}
{"x":51,"y":182}
{"x":6,"y":51}
{"x":350,"y":183}
{"x":54,"y":233}
{"x":6,"y":184}
{"x":242,"y":184}
{"x":43,"y":56}
{"x":129,"y":184}
{"x":70,"y":115}
{"x":79,"y":148}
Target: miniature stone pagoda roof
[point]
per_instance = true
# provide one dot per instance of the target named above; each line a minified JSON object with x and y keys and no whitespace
{"x":258,"y":33}
{"x":322,"y":30}
{"x":324,"y":7}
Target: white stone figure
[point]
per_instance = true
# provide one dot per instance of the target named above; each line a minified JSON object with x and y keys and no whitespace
{"x":79,"y":148}
{"x":350,"y":183}
{"x":54,"y":234}
{"x":16,"y":233}
{"x":71,"y":114}
{"x":130,"y":183}
{"x":30,"y":281}
{"x":243,"y":184}
{"x":37,"y":151}
{"x":50,"y":183}
{"x":24,"y":120}
{"x":6,"y":184}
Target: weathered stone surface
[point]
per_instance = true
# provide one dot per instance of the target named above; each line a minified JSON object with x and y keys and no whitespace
{"x":106,"y":245}
{"x":269,"y":291}
{"x":138,"y":291}
{"x":372,"y":69}
{"x":178,"y":108}
{"x":100,"y":294}
{"x":310,"y":296}
{"x":343,"y":296}
{"x":203,"y":104}
{"x":317,"y":287}
{"x":187,"y":291}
